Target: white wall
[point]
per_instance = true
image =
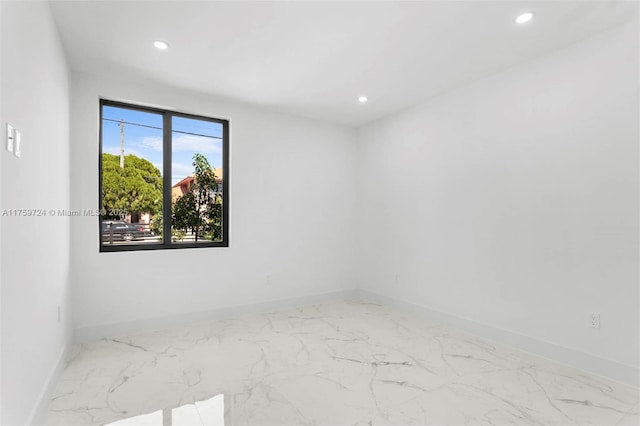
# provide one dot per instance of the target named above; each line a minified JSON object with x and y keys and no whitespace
{"x":1,"y":207}
{"x":34,"y":252}
{"x":513,"y":202}
{"x":292,"y":214}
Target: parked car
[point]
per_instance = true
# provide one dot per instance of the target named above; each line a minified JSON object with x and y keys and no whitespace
{"x":118,"y":230}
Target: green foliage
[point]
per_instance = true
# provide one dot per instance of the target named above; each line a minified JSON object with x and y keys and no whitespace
{"x":157,"y":229}
{"x":137,"y":188}
{"x":156,"y":224}
{"x":205,"y":179}
{"x":199,"y":209}
{"x":177,"y":234}
{"x":185,"y":212}
{"x":213,"y":228}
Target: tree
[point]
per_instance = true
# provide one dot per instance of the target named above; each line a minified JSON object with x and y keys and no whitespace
{"x":185,"y":212}
{"x":200,"y":209}
{"x":213,"y":229}
{"x":136,"y":188}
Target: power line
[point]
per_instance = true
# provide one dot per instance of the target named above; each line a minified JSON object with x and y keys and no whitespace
{"x":133,"y":124}
{"x":160,"y":128}
{"x":196,"y":134}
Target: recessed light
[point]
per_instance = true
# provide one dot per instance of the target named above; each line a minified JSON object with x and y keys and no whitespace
{"x":524,"y":17}
{"x":161,"y":45}
{"x":362,"y":99}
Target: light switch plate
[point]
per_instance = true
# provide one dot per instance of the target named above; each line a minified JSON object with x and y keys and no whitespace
{"x":10,"y":137}
{"x":16,"y":150}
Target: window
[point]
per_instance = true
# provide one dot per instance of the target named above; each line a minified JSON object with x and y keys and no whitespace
{"x":164,"y":179}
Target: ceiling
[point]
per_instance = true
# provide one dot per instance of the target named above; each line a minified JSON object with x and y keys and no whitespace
{"x":315,"y":58}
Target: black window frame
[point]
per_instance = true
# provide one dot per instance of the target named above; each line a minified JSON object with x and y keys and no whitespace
{"x":167,"y":243}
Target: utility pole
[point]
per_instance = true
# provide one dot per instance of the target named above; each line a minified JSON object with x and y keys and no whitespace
{"x":121,"y":144}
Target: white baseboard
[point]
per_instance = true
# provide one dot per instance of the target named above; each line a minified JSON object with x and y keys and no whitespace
{"x":95,"y":332}
{"x":609,"y":369}
{"x":37,"y":415}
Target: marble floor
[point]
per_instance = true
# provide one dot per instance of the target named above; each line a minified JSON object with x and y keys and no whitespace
{"x":335,"y":363}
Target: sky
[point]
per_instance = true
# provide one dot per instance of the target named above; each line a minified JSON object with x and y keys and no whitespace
{"x":146,"y":142}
